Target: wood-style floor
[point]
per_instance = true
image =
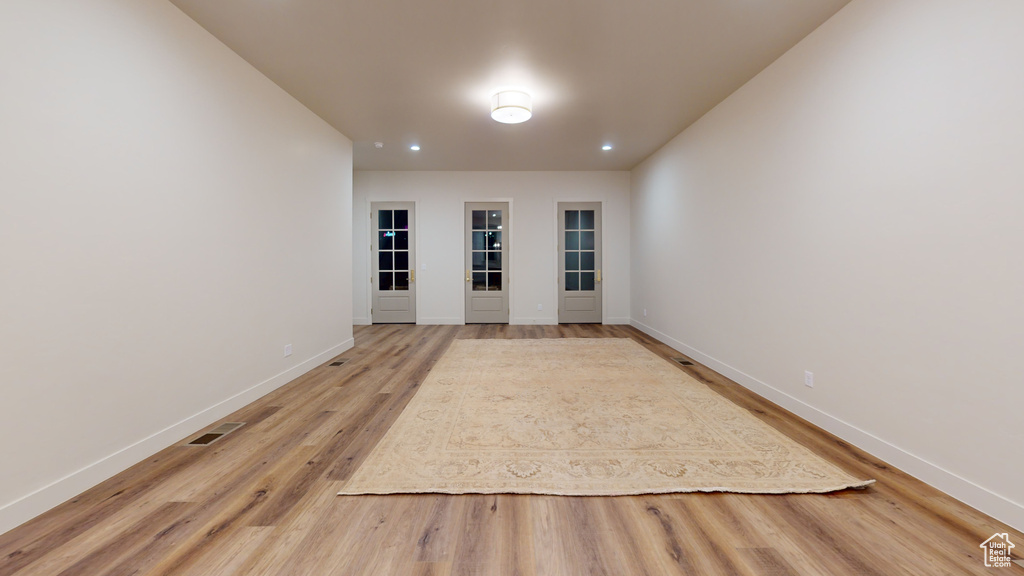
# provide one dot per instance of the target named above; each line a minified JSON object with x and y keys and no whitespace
{"x":262,"y":500}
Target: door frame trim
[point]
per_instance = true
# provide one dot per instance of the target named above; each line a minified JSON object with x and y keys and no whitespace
{"x":558,"y":252}
{"x":370,"y":229}
{"x":511,"y":252}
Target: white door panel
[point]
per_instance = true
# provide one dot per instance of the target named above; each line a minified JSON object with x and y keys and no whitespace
{"x":579,"y":262}
{"x":487,"y":265}
{"x":394,"y":263}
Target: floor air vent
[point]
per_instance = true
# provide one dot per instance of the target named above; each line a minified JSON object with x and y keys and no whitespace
{"x":216,"y":434}
{"x":339,"y":361}
{"x":682,"y":361}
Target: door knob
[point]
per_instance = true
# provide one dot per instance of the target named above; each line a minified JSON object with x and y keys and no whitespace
{"x":467,"y":275}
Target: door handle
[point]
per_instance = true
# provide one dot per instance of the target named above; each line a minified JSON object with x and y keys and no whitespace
{"x":467,"y":275}
{"x":598,"y":274}
{"x":412,"y":275}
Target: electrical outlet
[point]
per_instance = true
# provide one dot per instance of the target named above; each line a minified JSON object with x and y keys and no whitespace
{"x":287,"y":350}
{"x":540,"y":306}
{"x":645,"y":312}
{"x":808,"y":378}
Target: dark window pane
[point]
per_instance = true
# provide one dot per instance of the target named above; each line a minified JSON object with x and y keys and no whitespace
{"x":479,"y":219}
{"x":494,"y":220}
{"x":385,"y":261}
{"x":401,"y":280}
{"x":479,"y":260}
{"x":493,"y":240}
{"x":479,"y":281}
{"x":494,"y":260}
{"x":401,"y":260}
{"x":572,"y":219}
{"x":401,"y":219}
{"x":572,"y":281}
{"x":384,"y":220}
{"x":586,"y":219}
{"x":586,"y":280}
{"x":479,"y":241}
{"x":401,"y":240}
{"x":586,"y":240}
{"x":385,"y":240}
{"x":572,"y":260}
{"x":494,"y":280}
{"x":386,"y":281}
{"x":586,"y":261}
{"x":572,"y":240}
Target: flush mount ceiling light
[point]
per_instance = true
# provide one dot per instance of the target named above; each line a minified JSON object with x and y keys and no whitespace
{"x":511,"y":106}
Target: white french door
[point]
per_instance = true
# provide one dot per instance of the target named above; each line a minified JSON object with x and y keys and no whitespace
{"x":394,"y":263}
{"x":487,"y":266}
{"x":579,"y":262}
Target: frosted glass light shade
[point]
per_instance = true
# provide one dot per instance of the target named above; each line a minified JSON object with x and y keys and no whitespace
{"x":511,"y":106}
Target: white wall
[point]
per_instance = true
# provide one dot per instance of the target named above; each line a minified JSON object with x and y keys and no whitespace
{"x":169,"y":220}
{"x":440,"y":204}
{"x":856,"y":210}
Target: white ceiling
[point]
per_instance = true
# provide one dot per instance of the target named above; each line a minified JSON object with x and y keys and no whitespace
{"x":631,"y":73}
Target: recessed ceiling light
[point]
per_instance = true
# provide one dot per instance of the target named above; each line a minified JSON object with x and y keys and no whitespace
{"x":606,"y":147}
{"x":415,"y":147}
{"x":378,"y":145}
{"x":511,"y":106}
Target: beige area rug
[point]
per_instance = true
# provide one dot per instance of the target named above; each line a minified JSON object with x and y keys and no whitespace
{"x":580,"y":417}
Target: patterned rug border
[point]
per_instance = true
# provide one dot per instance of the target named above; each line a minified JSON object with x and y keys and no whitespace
{"x":861,"y":485}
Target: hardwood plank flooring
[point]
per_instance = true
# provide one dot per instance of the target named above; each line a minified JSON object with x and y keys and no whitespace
{"x":262,"y":501}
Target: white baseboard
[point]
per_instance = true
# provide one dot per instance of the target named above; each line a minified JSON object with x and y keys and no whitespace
{"x":544,"y":320}
{"x":978,"y":497}
{"x":361,"y":322}
{"x":549,"y":321}
{"x":440,"y":321}
{"x":15,"y":513}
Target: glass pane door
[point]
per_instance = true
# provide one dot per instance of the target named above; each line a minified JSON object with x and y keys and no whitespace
{"x":393,"y":263}
{"x":487,"y":263}
{"x":579,"y":262}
